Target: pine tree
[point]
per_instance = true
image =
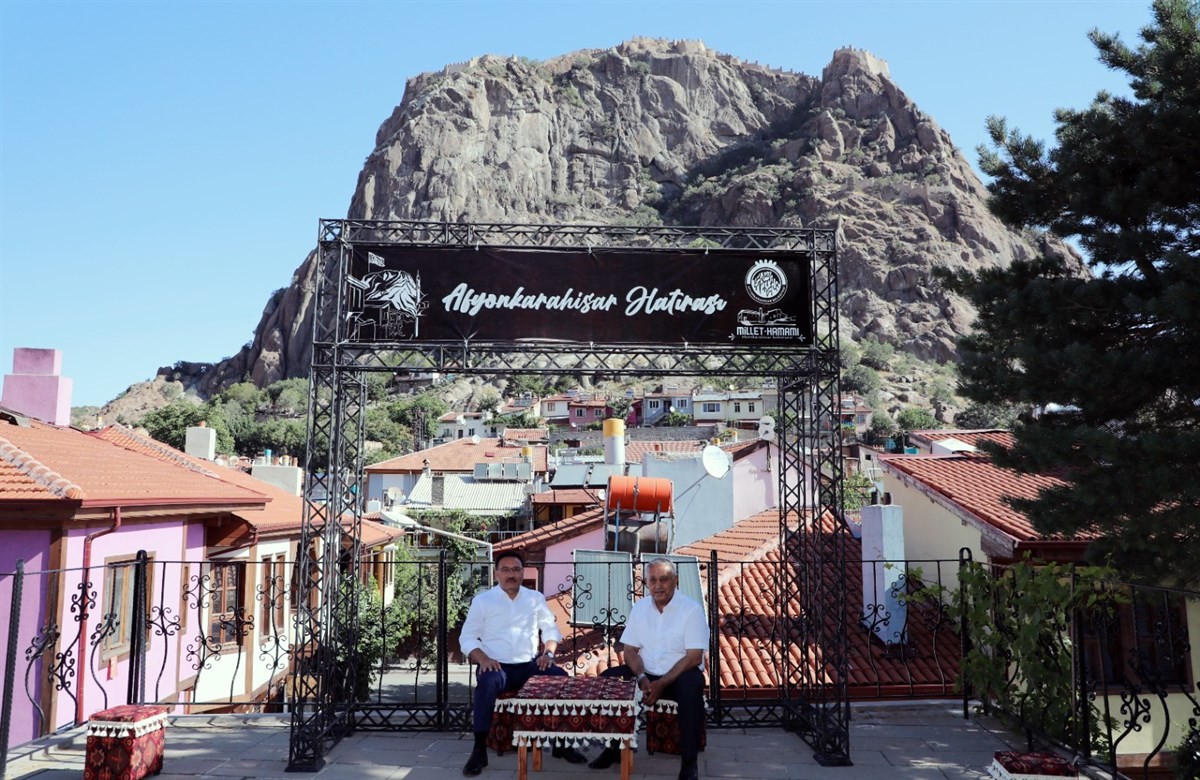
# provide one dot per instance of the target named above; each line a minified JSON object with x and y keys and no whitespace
{"x":1109,"y":361}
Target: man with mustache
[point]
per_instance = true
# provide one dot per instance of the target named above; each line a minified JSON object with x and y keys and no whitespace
{"x":665,"y":638}
{"x":500,"y":636}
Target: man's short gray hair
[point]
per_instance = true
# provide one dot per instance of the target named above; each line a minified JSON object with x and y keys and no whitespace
{"x":670,"y":564}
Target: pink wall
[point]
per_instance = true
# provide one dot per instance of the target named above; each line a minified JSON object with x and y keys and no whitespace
{"x":560,"y":565}
{"x":103,"y":684}
{"x":32,"y":547}
{"x":755,"y":489}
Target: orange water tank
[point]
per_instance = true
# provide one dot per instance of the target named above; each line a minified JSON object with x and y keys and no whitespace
{"x":640,"y":494}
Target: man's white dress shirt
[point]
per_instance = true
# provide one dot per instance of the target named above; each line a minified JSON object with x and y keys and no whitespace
{"x":507,"y":629}
{"x":662,"y":638}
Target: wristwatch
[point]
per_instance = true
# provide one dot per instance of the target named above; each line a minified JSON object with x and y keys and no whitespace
{"x":640,"y":677}
{"x":549,"y":655}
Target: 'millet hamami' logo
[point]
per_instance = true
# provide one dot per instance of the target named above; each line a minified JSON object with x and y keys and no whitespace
{"x":767,"y":284}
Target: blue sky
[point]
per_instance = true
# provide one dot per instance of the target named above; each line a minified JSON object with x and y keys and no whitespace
{"x":163,"y":165}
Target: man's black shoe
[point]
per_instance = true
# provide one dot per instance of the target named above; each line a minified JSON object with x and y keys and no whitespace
{"x":476,"y":762}
{"x":610,"y":756}
{"x":688,"y":771}
{"x":569,"y":754}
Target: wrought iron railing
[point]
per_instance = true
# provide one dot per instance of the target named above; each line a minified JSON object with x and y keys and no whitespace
{"x":1105,"y":669}
{"x":217,"y":636}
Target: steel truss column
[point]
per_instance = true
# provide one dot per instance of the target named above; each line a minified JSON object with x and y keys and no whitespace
{"x":322,"y":695}
{"x":813,"y":574}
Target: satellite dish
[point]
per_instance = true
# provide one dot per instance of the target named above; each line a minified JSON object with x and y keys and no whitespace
{"x":715,"y":461}
{"x":474,"y":439}
{"x":393,"y":494}
{"x":766,"y":428}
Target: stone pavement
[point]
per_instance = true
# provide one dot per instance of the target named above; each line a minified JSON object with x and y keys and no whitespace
{"x":900,"y":740}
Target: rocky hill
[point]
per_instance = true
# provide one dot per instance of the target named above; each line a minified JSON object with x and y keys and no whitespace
{"x":655,"y":131}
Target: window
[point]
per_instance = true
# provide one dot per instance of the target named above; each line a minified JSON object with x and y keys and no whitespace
{"x":598,"y":413}
{"x":1142,"y":642}
{"x":118,"y":604}
{"x":750,"y":407}
{"x":273,"y":589}
{"x":737,"y":407}
{"x":227,"y":612}
{"x":654,"y":405}
{"x":681,"y":403}
{"x":552,"y":406}
{"x":710,"y":408}
{"x":579,"y":412}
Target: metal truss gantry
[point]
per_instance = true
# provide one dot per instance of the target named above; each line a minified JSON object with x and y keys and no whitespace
{"x":811,"y":609}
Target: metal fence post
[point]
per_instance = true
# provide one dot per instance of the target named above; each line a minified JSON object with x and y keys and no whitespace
{"x":137,"y":633}
{"x":964,"y":631}
{"x":714,"y":639}
{"x":10,"y":662}
{"x":1083,"y":726}
{"x":442,"y":655}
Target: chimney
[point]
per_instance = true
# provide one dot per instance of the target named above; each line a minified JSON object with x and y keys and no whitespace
{"x":200,"y":441}
{"x":35,"y":388}
{"x":438,"y":493}
{"x":284,"y":477}
{"x":885,"y":579}
{"x":614,"y":442}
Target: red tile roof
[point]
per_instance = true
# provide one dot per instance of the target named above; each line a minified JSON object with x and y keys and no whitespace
{"x":541,"y":538}
{"x":459,"y":455}
{"x":526,"y":434}
{"x":49,"y":462}
{"x":749,"y":602}
{"x":975,"y":485}
{"x":636,"y":451}
{"x":972,"y":437}
{"x":283,"y":516}
{"x":566,"y":496}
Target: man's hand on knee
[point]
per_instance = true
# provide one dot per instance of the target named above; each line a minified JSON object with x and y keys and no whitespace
{"x":485,"y":662}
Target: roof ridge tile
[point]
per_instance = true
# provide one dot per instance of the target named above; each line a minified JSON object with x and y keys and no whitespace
{"x":164,"y":451}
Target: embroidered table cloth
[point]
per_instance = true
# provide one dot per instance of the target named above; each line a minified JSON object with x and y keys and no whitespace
{"x":561,"y":711}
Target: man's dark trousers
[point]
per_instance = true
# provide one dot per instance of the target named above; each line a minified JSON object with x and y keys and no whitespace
{"x":688,"y":692}
{"x":489,"y":686}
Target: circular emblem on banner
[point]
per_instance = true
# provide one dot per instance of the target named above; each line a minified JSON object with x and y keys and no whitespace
{"x":766,"y":282}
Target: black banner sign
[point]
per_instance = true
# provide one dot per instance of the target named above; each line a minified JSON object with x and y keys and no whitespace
{"x":497,"y":295}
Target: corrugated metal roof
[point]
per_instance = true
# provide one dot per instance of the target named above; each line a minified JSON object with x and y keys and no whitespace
{"x":463,"y":492}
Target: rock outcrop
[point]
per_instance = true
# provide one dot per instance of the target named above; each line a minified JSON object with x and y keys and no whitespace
{"x":657,"y":131}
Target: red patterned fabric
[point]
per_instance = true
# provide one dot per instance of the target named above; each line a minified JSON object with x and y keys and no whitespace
{"x":500,"y":735}
{"x":558,"y":710}
{"x":125,"y":756}
{"x":662,"y":730}
{"x":1039,"y":763}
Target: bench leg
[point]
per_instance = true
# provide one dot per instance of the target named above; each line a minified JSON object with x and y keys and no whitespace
{"x":626,"y":762}
{"x":522,"y":769}
{"x":537,"y":759}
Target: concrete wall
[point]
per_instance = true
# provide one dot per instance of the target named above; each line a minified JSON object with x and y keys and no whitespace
{"x":703,"y":503}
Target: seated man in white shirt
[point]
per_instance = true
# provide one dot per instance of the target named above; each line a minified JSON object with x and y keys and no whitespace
{"x":665,"y":639}
{"x":500,"y":635}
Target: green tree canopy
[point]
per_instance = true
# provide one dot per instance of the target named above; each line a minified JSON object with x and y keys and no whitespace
{"x":1109,"y":358}
{"x":915,"y":419}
